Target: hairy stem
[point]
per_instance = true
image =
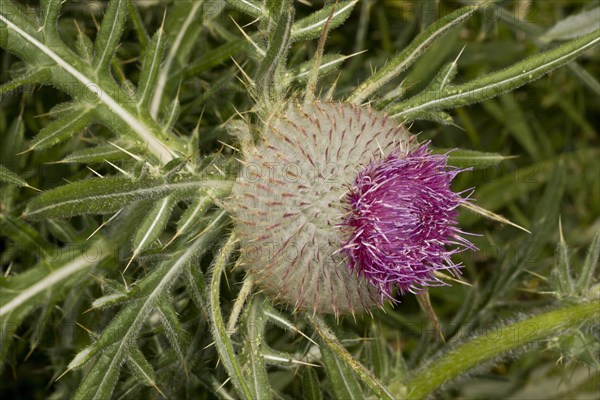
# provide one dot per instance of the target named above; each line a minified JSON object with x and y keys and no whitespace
{"x":329,"y":339}
{"x":494,"y":343}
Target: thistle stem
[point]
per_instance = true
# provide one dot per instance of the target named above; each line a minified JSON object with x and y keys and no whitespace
{"x":222,"y":342}
{"x":494,"y":343}
{"x":365,"y":375}
{"x":239,"y":303}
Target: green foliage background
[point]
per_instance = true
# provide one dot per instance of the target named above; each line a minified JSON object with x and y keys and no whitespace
{"x":161,"y":326}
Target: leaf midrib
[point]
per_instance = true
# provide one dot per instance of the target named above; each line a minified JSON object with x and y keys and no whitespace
{"x":160,"y":150}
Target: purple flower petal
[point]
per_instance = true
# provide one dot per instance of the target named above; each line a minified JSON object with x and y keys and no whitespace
{"x":401,"y":222}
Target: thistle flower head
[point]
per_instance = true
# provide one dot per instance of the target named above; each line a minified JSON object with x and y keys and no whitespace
{"x":401,"y":221}
{"x":337,"y":205}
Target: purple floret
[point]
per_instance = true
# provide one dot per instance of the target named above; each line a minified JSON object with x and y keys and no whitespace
{"x":401,"y":222}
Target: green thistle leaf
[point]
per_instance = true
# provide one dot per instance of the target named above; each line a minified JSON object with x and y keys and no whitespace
{"x":109,"y":35}
{"x":10,"y":177}
{"x":106,"y":195}
{"x":496,"y":83}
